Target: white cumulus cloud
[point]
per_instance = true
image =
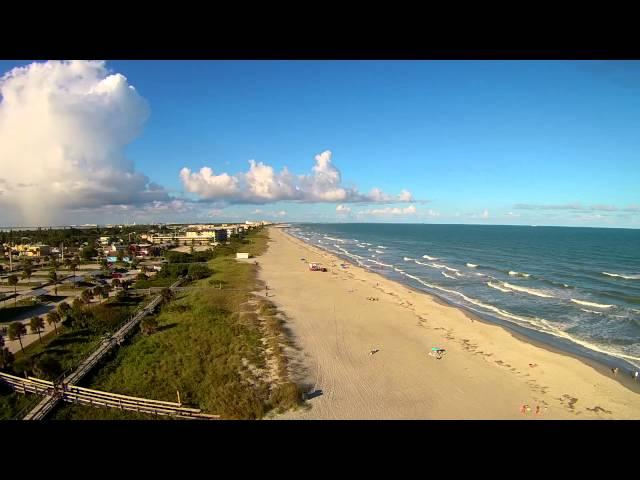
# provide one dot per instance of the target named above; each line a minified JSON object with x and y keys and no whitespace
{"x":64,"y":127}
{"x":410,"y":210}
{"x":262,"y":184}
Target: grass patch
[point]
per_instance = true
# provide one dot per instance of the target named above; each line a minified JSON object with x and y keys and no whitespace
{"x":69,"y":348}
{"x":217,"y":350}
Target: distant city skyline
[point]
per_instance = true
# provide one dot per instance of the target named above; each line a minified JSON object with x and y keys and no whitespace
{"x":457,"y":142}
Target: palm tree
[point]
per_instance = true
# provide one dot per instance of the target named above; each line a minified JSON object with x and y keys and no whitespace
{"x":53,"y":276}
{"x":74,"y":267}
{"x":36,"y":324}
{"x":53,"y":317}
{"x":13,"y":280}
{"x":6,"y":357}
{"x":27,"y":272}
{"x":16,"y":331}
{"x":63,"y":310}
{"x":86,"y":296}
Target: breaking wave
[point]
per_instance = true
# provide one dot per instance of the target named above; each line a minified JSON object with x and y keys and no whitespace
{"x":379,"y":263}
{"x":592,"y":311}
{"x":626,"y":277}
{"x":530,"y":291}
{"x":471,"y":265}
{"x":429,"y":258}
{"x":518,"y":274}
{"x":591,"y":304}
{"x":498,"y":287}
{"x":437,"y":265}
{"x":536,"y":322}
{"x":447,"y":275}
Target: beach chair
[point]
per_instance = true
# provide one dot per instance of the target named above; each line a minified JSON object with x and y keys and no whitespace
{"x":437,"y":352}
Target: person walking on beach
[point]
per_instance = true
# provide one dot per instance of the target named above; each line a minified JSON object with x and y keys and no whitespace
{"x":615,"y":370}
{"x":635,"y":376}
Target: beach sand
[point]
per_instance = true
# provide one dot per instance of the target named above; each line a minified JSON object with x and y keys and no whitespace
{"x":485,"y":374}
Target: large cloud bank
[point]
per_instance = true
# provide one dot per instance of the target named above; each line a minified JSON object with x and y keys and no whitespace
{"x":64,"y":127}
{"x":262,"y":184}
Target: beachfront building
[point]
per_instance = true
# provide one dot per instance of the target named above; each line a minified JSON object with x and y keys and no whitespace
{"x":32,"y":250}
{"x":192,"y":237}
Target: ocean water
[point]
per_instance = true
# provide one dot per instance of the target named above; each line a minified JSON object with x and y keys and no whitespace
{"x":575,"y":288}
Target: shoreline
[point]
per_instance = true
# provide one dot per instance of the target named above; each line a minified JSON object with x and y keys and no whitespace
{"x":481,"y":356}
{"x":587,"y":356}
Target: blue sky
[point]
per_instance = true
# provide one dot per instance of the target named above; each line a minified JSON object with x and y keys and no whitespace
{"x":504,"y":142}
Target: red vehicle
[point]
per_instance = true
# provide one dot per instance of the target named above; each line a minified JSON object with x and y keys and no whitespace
{"x":116,"y":275}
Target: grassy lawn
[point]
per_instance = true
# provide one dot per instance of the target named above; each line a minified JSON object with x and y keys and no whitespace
{"x":220,"y":348}
{"x":69,"y":347}
{"x":155,"y":282}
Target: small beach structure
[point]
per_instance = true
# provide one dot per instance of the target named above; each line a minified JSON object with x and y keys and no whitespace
{"x":242,"y":255}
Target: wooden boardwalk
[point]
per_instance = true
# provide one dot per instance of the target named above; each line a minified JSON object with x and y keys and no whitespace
{"x":68,"y":391}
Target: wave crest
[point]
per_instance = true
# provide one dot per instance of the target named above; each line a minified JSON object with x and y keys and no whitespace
{"x":619,"y":275}
{"x":530,"y":291}
{"x":591,"y":304}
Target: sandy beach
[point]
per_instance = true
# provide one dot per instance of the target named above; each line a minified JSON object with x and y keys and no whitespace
{"x":486,"y":373}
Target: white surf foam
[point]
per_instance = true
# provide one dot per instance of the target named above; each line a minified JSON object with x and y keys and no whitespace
{"x":530,"y":291}
{"x":518,"y":274}
{"x":591,"y":311}
{"x":591,"y":304}
{"x":437,"y":265}
{"x":471,"y":265}
{"x":619,"y":275}
{"x":379,"y":263}
{"x":407,"y":259}
{"x":447,"y":275}
{"x":536,"y":322}
{"x":379,"y":251}
{"x":381,"y":246}
{"x":429,"y":258}
{"x":498,"y":287}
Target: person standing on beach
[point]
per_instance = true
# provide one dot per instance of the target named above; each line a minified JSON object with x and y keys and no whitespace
{"x":635,"y":376}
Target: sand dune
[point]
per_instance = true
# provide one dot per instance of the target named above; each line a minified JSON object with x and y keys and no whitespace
{"x":486,"y":373}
